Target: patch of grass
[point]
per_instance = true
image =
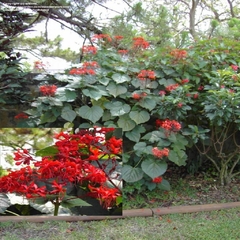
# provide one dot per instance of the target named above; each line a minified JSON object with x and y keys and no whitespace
{"x":213,"y":225}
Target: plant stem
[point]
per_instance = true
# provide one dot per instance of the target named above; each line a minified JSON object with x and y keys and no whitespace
{"x":56,"y":207}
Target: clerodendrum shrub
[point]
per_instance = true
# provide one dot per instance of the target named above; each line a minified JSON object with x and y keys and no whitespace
{"x":164,"y":100}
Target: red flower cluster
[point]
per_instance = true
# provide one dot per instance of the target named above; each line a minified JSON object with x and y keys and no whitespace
{"x":170,"y":125}
{"x":89,"y":49}
{"x":234,"y":67}
{"x":160,"y":153}
{"x":162,"y":93}
{"x":178,"y":54}
{"x":106,"y":196}
{"x":21,"y":116}
{"x":118,"y":37}
{"x":146,"y":74}
{"x":138,"y":96}
{"x":123,"y":51}
{"x":39,"y":65}
{"x":157,"y":180}
{"x":92,"y":64}
{"x":184,"y":81}
{"x":172,"y":87}
{"x":87,"y":69}
{"x":101,"y":36}
{"x":22,"y":156}
{"x":114,"y":145}
{"x":71,"y":164}
{"x":48,"y":90}
{"x":82,"y":71}
{"x":140,"y":42}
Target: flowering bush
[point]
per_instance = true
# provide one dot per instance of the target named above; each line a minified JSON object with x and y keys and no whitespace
{"x":78,"y":166}
{"x":161,"y":98}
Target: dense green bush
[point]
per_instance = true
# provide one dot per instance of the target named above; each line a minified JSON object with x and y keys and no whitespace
{"x":147,"y":92}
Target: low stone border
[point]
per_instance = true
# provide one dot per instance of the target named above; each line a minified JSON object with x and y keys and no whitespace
{"x":126,"y":213}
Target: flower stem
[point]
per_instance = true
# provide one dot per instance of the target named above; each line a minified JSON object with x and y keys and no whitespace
{"x":56,"y":207}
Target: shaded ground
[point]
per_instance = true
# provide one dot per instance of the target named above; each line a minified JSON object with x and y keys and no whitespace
{"x":201,"y":188}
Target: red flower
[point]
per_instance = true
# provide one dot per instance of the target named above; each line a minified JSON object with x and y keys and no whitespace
{"x":162,"y":93}
{"x":146,"y":74}
{"x":22,"y":156}
{"x":89,"y":49}
{"x":82,"y":71}
{"x":21,"y":116}
{"x":195,"y":96}
{"x":184,"y":81}
{"x":170,"y":125}
{"x":172,"y":87}
{"x":179,"y":105}
{"x":160,"y":153}
{"x":101,"y":36}
{"x":118,"y":37}
{"x":136,"y":96}
{"x":157,"y":180}
{"x":178,"y":54}
{"x":234,"y":67}
{"x":106,"y":196}
{"x":200,"y":88}
{"x":39,"y":65}
{"x":140,"y":42}
{"x":48,"y":90}
{"x":90,"y":65}
{"x":123,"y":51}
{"x":114,"y":145}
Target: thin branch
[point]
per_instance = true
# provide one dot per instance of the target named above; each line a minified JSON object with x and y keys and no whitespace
{"x":106,"y":7}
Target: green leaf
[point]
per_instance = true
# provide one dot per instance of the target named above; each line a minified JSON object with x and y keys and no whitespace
{"x":94,"y":93}
{"x":117,"y":108}
{"x":178,"y":156}
{"x":126,"y":123}
{"x":120,"y":78}
{"x":139,"y":116}
{"x":68,"y":95}
{"x":68,"y":114}
{"x":4,"y":202}
{"x":70,"y":202}
{"x":154,"y":136}
{"x":154,"y":168}
{"x":148,"y":103}
{"x":93,"y":113}
{"x":130,"y":174}
{"x":135,"y":134}
{"x":164,"y":185}
{"x":116,"y":90}
{"x":42,"y":207}
{"x":47,"y":117}
{"x":48,"y":151}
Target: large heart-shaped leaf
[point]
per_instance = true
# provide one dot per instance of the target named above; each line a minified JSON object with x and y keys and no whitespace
{"x":139,"y":116}
{"x":148,"y":103}
{"x":93,"y":113}
{"x":115,"y":89}
{"x":94,"y":93}
{"x":154,"y":168}
{"x":120,"y":78}
{"x":66,"y":94}
{"x":126,"y":123}
{"x":117,"y":108}
{"x":135,"y":134}
{"x":68,"y":114}
{"x":131,"y":174}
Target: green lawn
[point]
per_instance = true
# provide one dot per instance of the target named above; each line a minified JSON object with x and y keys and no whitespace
{"x":217,"y":225}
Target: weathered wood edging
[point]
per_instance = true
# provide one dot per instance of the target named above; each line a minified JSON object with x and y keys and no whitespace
{"x":126,"y":213}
